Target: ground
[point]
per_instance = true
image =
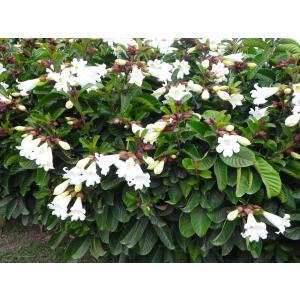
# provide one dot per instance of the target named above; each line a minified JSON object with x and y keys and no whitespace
{"x":25,"y":244}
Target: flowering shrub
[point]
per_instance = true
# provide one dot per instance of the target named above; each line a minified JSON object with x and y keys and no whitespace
{"x":157,"y":150}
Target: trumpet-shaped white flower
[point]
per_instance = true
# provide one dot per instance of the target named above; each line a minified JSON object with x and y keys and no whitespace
{"x":161,"y":70}
{"x":28,"y":147}
{"x":254,"y":230}
{"x":106,"y":161}
{"x":60,"y":207}
{"x":194,"y":87}
{"x":236,"y":57}
{"x":75,"y":175}
{"x":2,"y":69}
{"x":220,"y":71}
{"x":183,"y":68}
{"x":136,"y":76}
{"x":236,"y":100}
{"x":292,"y":120}
{"x":258,"y":113}
{"x":280,"y":223}
{"x":163,"y":45}
{"x":228,"y":144}
{"x":260,"y":94}
{"x":77,"y":212}
{"x":43,"y":156}
{"x":28,"y":85}
{"x":205,"y":95}
{"x":90,"y":175}
{"x":159,"y":92}
{"x":177,"y":92}
{"x":205,"y":63}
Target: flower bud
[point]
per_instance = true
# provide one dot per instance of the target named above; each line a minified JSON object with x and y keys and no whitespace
{"x":159,"y":167}
{"x":64,"y":145}
{"x":83,"y":162}
{"x":251,"y":65}
{"x":229,"y":128}
{"x":59,"y":189}
{"x":243,"y":141}
{"x":232,"y":215}
{"x":21,"y":107}
{"x":228,"y":63}
{"x":69,"y":104}
{"x":15,"y":94}
{"x":287,"y":91}
{"x":120,"y":62}
{"x":191,"y":50}
{"x":7,"y":101}
{"x":295,"y":155}
{"x":20,"y":128}
{"x":197,"y":115}
{"x":159,"y":126}
{"x":292,"y":120}
{"x":205,"y":95}
{"x":173,"y":156}
{"x":223,"y":95}
{"x":78,"y":187}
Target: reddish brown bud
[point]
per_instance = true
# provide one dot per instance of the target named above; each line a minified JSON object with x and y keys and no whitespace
{"x":132,"y":50}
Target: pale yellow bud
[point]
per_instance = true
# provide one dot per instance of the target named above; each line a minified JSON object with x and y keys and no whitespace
{"x":69,"y":104}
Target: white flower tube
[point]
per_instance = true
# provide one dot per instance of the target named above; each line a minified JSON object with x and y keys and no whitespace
{"x":280,"y":223}
{"x":77,"y":212}
{"x":254,"y":230}
{"x":59,"y":189}
{"x":232,"y":215}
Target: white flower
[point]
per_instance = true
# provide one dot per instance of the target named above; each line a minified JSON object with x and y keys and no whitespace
{"x":59,"y":189}
{"x":126,"y":168}
{"x":4,"y":85}
{"x":163,"y":45}
{"x":106,"y":161}
{"x":261,"y":93}
{"x":205,"y":64}
{"x":280,"y":223}
{"x":160,"y":70}
{"x":136,"y":76}
{"x":63,"y":79}
{"x":77,"y":212}
{"x":28,"y":85}
{"x":155,"y":165}
{"x":82,"y":163}
{"x":232,"y":215}
{"x":75,"y":175}
{"x":223,"y":95}
{"x":254,"y":230}
{"x":140,"y":180}
{"x":177,"y":92}
{"x":194,"y":87}
{"x":228,"y":144}
{"x":137,"y":129}
{"x":2,"y":69}
{"x":90,"y":175}
{"x":296,"y":94}
{"x":236,"y":57}
{"x":236,"y":100}
{"x":60,"y":207}
{"x":44,"y":157}
{"x":28,"y":147}
{"x":77,"y":65}
{"x":243,"y":141}
{"x":292,"y":120}
{"x":159,"y":92}
{"x":220,"y":71}
{"x":258,"y":113}
{"x":183,"y":68}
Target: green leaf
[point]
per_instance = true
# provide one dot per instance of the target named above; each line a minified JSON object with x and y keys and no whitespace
{"x":244,"y":158}
{"x":148,"y":241}
{"x":293,"y":233}
{"x":96,"y":249}
{"x":269,"y":176}
{"x":174,"y":193}
{"x":135,"y":234}
{"x":78,"y":248}
{"x":243,"y":182}
{"x":185,"y":225}
{"x":150,"y":103}
{"x":220,"y":170}
{"x":200,"y":221}
{"x":225,"y":233}
{"x":110,"y":183}
{"x":165,"y":235}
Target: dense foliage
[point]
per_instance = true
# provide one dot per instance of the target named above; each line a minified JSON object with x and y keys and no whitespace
{"x":178,"y":150}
